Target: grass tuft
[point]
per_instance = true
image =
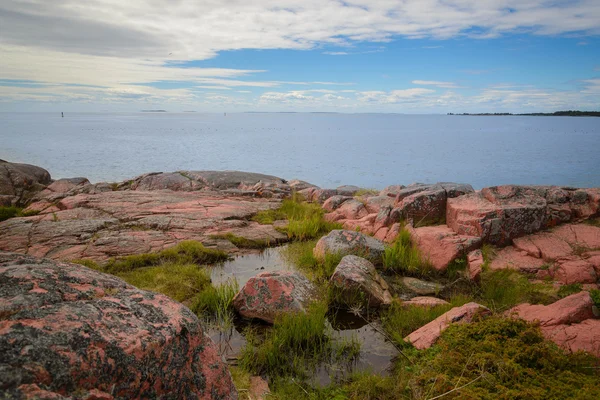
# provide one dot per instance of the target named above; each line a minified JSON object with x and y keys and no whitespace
{"x":567,"y":290}
{"x":404,"y":257}
{"x":295,"y":344}
{"x":216,"y":303}
{"x":306,"y":220}
{"x":87,"y":263}
{"x":187,"y":252}
{"x":301,"y":255}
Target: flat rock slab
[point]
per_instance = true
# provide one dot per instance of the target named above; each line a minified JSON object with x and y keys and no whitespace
{"x":119,"y":223}
{"x":345,"y":242}
{"x":70,"y":331}
{"x":499,"y":214}
{"x":427,"y":335}
{"x":269,"y":294}
{"x":357,"y":281}
{"x":425,"y":301}
{"x":421,"y":287}
{"x":569,"y":322}
{"x":565,"y":253}
{"x":440,"y":245}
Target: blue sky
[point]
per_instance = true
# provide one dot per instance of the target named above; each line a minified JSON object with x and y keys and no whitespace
{"x":425,"y":56}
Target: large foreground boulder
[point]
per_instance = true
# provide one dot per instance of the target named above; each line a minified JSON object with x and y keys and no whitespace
{"x":345,"y":242}
{"x":500,"y":213}
{"x":20,"y":182}
{"x":66,"y":330}
{"x":569,"y":322}
{"x":427,"y":335}
{"x":357,"y":282}
{"x":269,"y":294}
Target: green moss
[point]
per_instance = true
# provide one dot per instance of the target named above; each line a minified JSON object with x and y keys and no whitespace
{"x":12,"y":212}
{"x":242,"y":242}
{"x":187,"y":252}
{"x":366,"y":192}
{"x":593,"y":222}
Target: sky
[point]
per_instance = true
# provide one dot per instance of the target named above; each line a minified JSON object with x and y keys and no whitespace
{"x":400,"y":56}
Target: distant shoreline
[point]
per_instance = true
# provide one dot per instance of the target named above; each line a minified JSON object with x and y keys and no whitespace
{"x":554,"y":114}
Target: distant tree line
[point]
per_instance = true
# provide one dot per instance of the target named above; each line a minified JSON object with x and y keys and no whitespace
{"x":569,"y":113}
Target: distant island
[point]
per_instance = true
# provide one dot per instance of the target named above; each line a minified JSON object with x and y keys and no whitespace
{"x":570,"y":113}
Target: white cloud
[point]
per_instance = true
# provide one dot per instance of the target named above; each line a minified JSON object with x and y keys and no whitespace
{"x":336,"y":53}
{"x":394,"y":96}
{"x":444,"y":85}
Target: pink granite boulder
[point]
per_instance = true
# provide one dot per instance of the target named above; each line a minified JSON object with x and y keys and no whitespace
{"x":474,"y":264}
{"x":356,"y":281}
{"x":70,"y":331}
{"x":427,"y":335}
{"x":440,"y":245}
{"x":269,"y":294}
{"x":20,"y":182}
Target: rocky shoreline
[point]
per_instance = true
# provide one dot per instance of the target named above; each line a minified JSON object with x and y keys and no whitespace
{"x":62,"y":323}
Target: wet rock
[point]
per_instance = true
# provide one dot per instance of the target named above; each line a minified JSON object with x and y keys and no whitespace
{"x":440,"y":245}
{"x":474,"y":264}
{"x":421,"y":287}
{"x":269,"y":294}
{"x":425,"y":301}
{"x":426,"y":336}
{"x":20,"y":182}
{"x":501,"y":213}
{"x":70,"y":331}
{"x":357,"y":281}
{"x":344,"y":242}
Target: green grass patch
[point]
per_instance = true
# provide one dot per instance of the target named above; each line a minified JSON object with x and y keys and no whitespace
{"x":242,"y":242}
{"x":12,"y":212}
{"x":295,"y":345}
{"x":187,"y":252}
{"x":567,"y":290}
{"x":404,"y":257}
{"x":301,"y":255}
{"x":503,"y":289}
{"x":305,"y":220}
{"x":399,"y":320}
{"x":595,"y":295}
{"x":181,"y":282}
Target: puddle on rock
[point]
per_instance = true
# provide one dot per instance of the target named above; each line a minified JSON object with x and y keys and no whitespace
{"x":376,"y":353}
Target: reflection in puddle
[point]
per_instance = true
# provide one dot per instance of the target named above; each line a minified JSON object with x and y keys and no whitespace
{"x":376,"y":352}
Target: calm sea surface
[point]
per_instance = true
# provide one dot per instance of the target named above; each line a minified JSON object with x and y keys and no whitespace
{"x":369,"y":150}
